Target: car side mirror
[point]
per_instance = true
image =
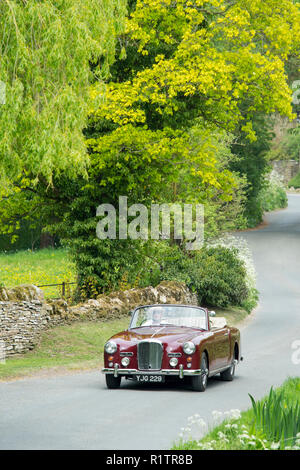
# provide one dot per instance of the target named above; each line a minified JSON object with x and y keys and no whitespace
{"x":212,"y":313}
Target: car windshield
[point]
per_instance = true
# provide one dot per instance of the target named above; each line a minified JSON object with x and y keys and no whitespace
{"x":163,"y":315}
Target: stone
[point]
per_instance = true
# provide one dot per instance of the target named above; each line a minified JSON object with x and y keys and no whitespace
{"x":25,"y":292}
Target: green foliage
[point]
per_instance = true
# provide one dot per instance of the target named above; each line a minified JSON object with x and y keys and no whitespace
{"x":251,"y":301}
{"x":23,"y":239}
{"x":49,"y":56}
{"x":161,"y":99}
{"x":276,"y":418}
{"x":185,"y":67}
{"x":273,"y":196}
{"x":101,"y":264}
{"x":215,"y":274}
{"x":289,"y":146}
{"x":295,"y":182}
{"x":252,"y":163}
{"x":186,"y":61}
{"x":242,"y":433}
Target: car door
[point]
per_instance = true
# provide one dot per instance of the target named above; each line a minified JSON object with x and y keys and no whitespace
{"x":221,"y":347}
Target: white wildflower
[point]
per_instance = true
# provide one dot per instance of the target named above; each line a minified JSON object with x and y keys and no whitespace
{"x":218,"y":417}
{"x":252,"y":443}
{"x":244,"y":254}
{"x":235,"y":414}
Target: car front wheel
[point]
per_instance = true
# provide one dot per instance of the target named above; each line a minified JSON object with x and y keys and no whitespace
{"x":228,"y":374}
{"x":199,"y":382}
{"x":112,"y":382}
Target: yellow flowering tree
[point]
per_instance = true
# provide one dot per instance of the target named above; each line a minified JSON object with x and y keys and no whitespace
{"x":206,"y":64}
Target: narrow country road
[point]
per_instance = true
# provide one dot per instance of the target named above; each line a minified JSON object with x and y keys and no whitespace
{"x":78,"y":412}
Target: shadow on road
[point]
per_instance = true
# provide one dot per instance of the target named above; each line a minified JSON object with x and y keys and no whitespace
{"x":173,"y":385}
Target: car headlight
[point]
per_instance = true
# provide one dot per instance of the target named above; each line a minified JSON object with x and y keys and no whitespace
{"x":125,"y":361}
{"x":173,"y":362}
{"x":189,"y":348}
{"x":110,"y":347}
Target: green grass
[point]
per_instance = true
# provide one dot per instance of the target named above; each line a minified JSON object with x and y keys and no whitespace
{"x":224,"y":437}
{"x":71,"y":347}
{"x":233,"y":315}
{"x":40,"y":267}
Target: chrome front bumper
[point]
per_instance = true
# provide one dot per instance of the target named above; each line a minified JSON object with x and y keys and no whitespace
{"x":116,"y":371}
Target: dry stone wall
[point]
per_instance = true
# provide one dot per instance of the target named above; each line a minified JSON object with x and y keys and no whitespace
{"x":20,"y":325}
{"x":24,"y":313}
{"x":285,"y":170}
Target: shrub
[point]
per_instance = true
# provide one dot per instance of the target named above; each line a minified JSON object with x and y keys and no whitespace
{"x":219,"y":277}
{"x":254,"y":212}
{"x":295,"y":182}
{"x":216,"y":274}
{"x":245,"y":255}
{"x":252,"y":163}
{"x":273,"y":196}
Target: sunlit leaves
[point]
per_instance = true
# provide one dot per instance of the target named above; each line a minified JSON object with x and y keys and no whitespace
{"x":47,"y":49}
{"x":222,"y":54}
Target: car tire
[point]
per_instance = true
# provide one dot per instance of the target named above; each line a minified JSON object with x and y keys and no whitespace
{"x":112,"y":382}
{"x":199,"y":382}
{"x":228,"y":374}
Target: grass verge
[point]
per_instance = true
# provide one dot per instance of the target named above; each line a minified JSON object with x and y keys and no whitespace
{"x":73,"y":347}
{"x":239,"y":432}
{"x":233,"y":315}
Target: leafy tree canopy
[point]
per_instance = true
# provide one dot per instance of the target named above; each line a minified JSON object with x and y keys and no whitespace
{"x":49,"y":56}
{"x":204,"y":59}
{"x":189,"y":79}
{"x":186,"y":70}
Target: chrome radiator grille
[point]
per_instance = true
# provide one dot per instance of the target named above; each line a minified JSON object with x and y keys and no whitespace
{"x":150,"y":355}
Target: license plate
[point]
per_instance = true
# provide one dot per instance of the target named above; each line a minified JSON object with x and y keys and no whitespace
{"x":150,"y":378}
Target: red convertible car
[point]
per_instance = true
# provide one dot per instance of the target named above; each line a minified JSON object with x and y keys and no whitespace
{"x":172,"y":340}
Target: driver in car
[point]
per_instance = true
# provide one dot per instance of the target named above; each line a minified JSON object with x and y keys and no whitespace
{"x":156,"y":316}
{"x":155,"y":319}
